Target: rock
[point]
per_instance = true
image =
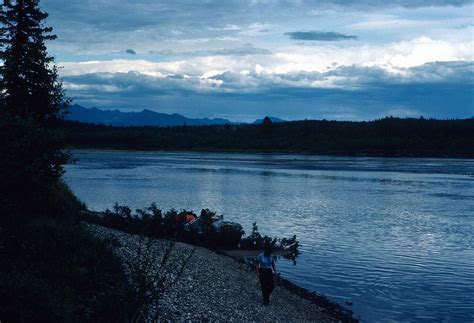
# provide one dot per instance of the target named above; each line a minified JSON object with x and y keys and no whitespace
{"x":212,"y":287}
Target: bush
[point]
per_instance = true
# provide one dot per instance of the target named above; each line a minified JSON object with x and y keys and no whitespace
{"x":255,"y":241}
{"x":62,"y":202}
{"x":209,"y":229}
{"x":152,"y":276}
{"x":54,"y":271}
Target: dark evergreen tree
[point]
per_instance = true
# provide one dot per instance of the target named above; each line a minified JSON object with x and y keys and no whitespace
{"x":32,"y":99}
{"x":29,"y":77}
{"x":51,"y":269}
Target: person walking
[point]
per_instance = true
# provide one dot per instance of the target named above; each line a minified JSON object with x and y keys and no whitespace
{"x":265,"y":267}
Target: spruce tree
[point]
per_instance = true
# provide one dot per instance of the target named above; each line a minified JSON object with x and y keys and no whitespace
{"x":32,"y":99}
{"x":29,"y":77}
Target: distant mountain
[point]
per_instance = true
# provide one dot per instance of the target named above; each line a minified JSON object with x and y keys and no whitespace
{"x":143,"y":118}
{"x":274,"y":119}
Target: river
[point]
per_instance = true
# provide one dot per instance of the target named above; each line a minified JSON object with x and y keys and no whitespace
{"x":395,"y":235}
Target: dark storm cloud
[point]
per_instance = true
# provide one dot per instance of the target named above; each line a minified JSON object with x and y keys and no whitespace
{"x":131,"y":15}
{"x":318,"y":35}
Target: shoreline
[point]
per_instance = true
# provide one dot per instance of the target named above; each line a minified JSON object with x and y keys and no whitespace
{"x":270,"y":152}
{"x":217,"y":287}
{"x":330,"y":307}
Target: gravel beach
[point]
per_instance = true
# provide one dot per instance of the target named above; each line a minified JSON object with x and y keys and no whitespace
{"x":213,"y":287}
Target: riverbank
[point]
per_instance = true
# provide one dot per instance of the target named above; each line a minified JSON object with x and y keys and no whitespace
{"x":388,"y":137}
{"x":215,"y":287}
{"x":118,"y":148}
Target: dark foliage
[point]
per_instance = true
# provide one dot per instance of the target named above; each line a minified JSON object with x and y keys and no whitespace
{"x":256,"y":241}
{"x":152,"y":276}
{"x":29,"y":83}
{"x":53,"y":271}
{"x":385,"y":137}
{"x":31,"y":104}
{"x":204,"y":231}
{"x":171,"y":225}
{"x":31,"y":159}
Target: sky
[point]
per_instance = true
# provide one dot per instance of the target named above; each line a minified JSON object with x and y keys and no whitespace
{"x":244,"y":59}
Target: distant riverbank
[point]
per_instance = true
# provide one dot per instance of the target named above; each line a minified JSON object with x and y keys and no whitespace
{"x":389,"y":137}
{"x":216,"y":288}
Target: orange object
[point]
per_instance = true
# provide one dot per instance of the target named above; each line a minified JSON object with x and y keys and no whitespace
{"x":190,"y":217}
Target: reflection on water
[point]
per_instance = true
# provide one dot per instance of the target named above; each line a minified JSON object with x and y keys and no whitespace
{"x":393,"y":234}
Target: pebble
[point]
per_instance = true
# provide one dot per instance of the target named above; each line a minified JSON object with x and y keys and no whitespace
{"x":213,"y":287}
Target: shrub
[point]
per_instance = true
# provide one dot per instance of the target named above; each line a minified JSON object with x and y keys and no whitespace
{"x":209,"y":229}
{"x":256,"y":241}
{"x":54,"y":271}
{"x":152,"y":276}
{"x":62,"y":202}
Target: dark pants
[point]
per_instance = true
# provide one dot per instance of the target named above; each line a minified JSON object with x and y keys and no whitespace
{"x":266,"y":282}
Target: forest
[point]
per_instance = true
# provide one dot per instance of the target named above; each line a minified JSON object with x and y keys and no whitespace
{"x":389,"y":136}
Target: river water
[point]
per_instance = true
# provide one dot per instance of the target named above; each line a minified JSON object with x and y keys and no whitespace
{"x":395,"y":235}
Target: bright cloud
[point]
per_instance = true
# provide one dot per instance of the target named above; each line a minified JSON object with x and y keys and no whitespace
{"x":392,"y":57}
{"x":340,"y":59}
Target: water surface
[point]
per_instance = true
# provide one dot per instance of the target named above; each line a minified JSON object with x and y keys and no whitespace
{"x":393,"y":234}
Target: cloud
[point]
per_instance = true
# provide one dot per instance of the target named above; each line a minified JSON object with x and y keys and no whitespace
{"x":226,"y":27}
{"x":234,"y":57}
{"x":246,"y":50}
{"x":318,"y":35}
{"x":107,"y":16}
{"x":438,"y":89}
{"x":377,"y":4}
{"x":394,"y":58}
{"x":105,"y":27}
{"x":414,"y":3}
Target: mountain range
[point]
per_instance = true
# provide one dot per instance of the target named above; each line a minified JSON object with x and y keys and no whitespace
{"x":273,"y":119}
{"x":143,"y":118}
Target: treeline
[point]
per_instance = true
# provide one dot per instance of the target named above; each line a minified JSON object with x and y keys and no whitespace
{"x":385,"y":137}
